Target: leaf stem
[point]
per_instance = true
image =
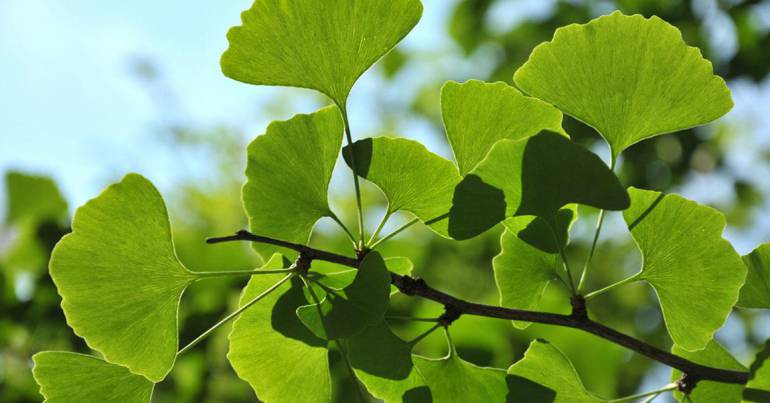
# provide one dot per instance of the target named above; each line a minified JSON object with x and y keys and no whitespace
{"x":352,"y":156}
{"x":214,"y":274}
{"x":344,"y":228}
{"x":353,"y":377}
{"x":598,"y":231}
{"x":395,"y":232}
{"x":625,"y":281}
{"x":563,"y":254}
{"x":653,"y":393}
{"x":380,"y":226}
{"x":234,"y":314}
{"x":424,"y":334}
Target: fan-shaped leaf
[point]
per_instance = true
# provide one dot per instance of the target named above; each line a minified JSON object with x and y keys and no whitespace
{"x":66,"y":377}
{"x":685,"y":260}
{"x":344,"y":313}
{"x":714,"y":355}
{"x":544,"y":365}
{"x":412,"y":178}
{"x":120,"y":280}
{"x":756,"y":291}
{"x":534,"y":176}
{"x":383,"y":363}
{"x":528,"y":259}
{"x":629,"y":77}
{"x":33,"y":198}
{"x":288,"y":172}
{"x":273,"y":351}
{"x":478,"y":114}
{"x":758,"y":386}
{"x":319,"y":44}
{"x":452,"y":379}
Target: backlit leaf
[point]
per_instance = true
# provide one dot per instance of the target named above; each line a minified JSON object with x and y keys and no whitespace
{"x":756,"y":291}
{"x":528,"y":260}
{"x":319,"y":44}
{"x":545,"y":374}
{"x":629,"y":77}
{"x":66,"y":377}
{"x":412,"y":178}
{"x":452,"y":379}
{"x":33,"y":198}
{"x":288,"y":173}
{"x":714,"y":355}
{"x":344,"y":313}
{"x":273,"y":351}
{"x":534,"y":176}
{"x":478,"y":114}
{"x":120,"y":279}
{"x":758,"y":386}
{"x":685,"y":260}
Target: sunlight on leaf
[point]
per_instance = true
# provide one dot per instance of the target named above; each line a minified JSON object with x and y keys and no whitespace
{"x":273,"y":351}
{"x":686,"y":259}
{"x":629,"y":77}
{"x":714,"y":355}
{"x":551,"y":376}
{"x":478,"y":114}
{"x":452,"y":379}
{"x":33,"y":198}
{"x":120,"y":279}
{"x":758,"y":387}
{"x":756,"y":291}
{"x":534,"y":176}
{"x":288,"y":173}
{"x":319,"y":44}
{"x":412,"y":178}
{"x":66,"y":377}
{"x":528,"y":260}
{"x":383,"y":363}
{"x":344,"y":313}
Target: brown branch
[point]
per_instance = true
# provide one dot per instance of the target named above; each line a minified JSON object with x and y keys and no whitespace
{"x":694,"y":372}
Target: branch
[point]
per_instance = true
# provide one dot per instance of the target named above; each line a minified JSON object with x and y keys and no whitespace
{"x":579,"y":319}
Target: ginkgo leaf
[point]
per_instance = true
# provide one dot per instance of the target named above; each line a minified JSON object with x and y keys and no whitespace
{"x":273,"y":351}
{"x":66,"y":377}
{"x":412,"y":178}
{"x":758,"y":386}
{"x":533,"y":176}
{"x":543,"y":364}
{"x":714,"y":355}
{"x":33,"y":198}
{"x":629,"y":77}
{"x":478,"y":114}
{"x":319,"y":44}
{"x":344,"y":313}
{"x":685,"y":259}
{"x":528,"y":260}
{"x":756,"y":291}
{"x":452,"y":379}
{"x":120,"y":279}
{"x":383,"y":363}
{"x":288,"y":173}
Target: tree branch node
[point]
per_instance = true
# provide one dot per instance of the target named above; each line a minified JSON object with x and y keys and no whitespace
{"x":579,"y":310}
{"x":451,"y":314}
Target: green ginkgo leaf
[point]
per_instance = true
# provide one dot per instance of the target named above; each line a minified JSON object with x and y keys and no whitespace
{"x":120,"y":279}
{"x":33,"y":198}
{"x":685,"y":259}
{"x":66,"y":377}
{"x":273,"y":351}
{"x":545,"y":374}
{"x":478,"y":114}
{"x":629,"y":77}
{"x":288,"y":173}
{"x":756,"y":291}
{"x":714,"y":355}
{"x":452,"y":379}
{"x":528,"y":259}
{"x":758,"y":386}
{"x":319,"y":44}
{"x":383,"y":363}
{"x":412,"y":178}
{"x":346,"y":312}
{"x":533,"y":176}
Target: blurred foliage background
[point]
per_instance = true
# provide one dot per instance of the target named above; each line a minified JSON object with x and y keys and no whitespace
{"x":725,"y":164}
